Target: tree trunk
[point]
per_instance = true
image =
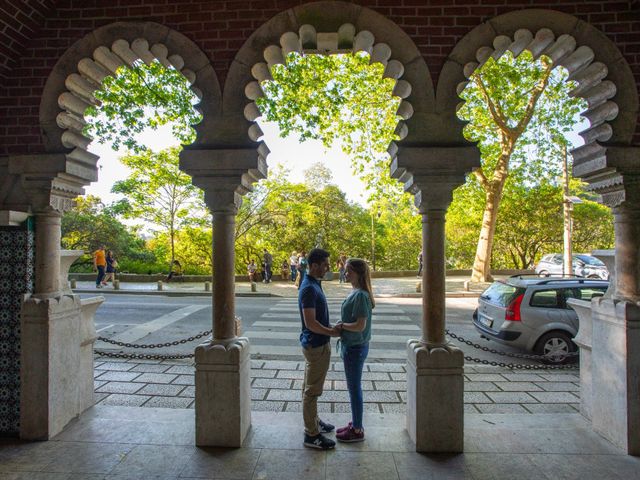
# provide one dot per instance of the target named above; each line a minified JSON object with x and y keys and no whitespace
{"x":481,"y":271}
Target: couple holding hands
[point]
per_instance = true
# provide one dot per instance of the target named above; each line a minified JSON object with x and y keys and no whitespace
{"x":354,"y":330}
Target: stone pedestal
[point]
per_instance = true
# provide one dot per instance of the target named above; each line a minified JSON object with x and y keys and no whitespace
{"x":615,"y":372}
{"x":435,"y":397}
{"x":584,"y":340}
{"x":223,"y":392}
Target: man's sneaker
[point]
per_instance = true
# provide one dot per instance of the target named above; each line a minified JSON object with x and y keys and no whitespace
{"x":325,"y":427}
{"x":319,"y":441}
{"x":344,"y":429}
{"x":350,"y":436}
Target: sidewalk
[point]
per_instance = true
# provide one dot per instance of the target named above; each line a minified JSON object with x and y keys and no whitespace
{"x":276,"y":387}
{"x":382,"y":287}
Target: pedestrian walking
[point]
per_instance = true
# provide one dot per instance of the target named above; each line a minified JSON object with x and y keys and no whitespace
{"x":112,"y":264}
{"x":315,"y":339}
{"x":99,"y":264}
{"x":355,"y":319}
{"x":420,"y":264}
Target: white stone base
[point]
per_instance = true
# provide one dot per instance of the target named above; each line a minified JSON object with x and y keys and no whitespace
{"x":223,"y":393}
{"x":56,"y":369}
{"x":435,"y":397}
{"x":615,"y":364}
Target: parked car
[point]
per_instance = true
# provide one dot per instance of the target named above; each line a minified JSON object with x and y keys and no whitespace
{"x":583,"y":266}
{"x":531,"y":313}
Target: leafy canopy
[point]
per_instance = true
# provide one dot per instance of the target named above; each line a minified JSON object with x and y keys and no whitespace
{"x":336,"y":98}
{"x":515,"y":106}
{"x":138,"y":97}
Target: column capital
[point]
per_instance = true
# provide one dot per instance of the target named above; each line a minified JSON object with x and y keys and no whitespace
{"x":52,"y":181}
{"x":611,"y":171}
{"x":431,"y":173}
{"x":225,"y":175}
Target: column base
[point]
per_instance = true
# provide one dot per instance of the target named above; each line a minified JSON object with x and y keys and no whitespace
{"x":223,"y":392}
{"x":435,"y":397}
{"x":615,"y":365}
{"x":52,"y":365}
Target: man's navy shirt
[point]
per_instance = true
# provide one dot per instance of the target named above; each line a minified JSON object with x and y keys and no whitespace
{"x":312,"y":296}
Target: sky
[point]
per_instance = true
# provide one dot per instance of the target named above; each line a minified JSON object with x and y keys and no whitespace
{"x":297,"y":157}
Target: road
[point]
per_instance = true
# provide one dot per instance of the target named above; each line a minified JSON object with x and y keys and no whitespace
{"x":273,"y":324}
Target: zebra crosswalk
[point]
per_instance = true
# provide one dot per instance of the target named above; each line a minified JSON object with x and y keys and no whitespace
{"x":275,"y":334}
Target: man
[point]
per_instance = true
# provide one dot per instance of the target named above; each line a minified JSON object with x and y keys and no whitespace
{"x":316,"y":347}
{"x":99,"y":264}
{"x":267,"y":260}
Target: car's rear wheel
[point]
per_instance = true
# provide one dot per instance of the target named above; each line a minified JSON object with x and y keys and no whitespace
{"x":556,"y":346}
{"x":543,"y":273}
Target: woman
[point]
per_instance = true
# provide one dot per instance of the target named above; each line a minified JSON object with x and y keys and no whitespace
{"x":356,"y":332}
{"x":112,"y":264}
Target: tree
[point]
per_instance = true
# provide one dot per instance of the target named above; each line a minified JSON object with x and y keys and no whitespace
{"x":158,"y":192}
{"x":337,"y":98}
{"x":90,"y":224}
{"x":318,"y":176}
{"x":141,"y":96}
{"x":510,"y":104}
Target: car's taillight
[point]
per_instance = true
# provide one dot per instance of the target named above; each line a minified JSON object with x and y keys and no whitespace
{"x":513,"y":310}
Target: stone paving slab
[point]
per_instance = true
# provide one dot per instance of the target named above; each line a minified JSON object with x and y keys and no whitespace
{"x":276,"y":387}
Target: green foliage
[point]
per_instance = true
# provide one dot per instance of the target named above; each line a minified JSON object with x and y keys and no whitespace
{"x":138,"y":97}
{"x":285,"y":217}
{"x":337,"y":98}
{"x":158,"y":192}
{"x":91,"y":224}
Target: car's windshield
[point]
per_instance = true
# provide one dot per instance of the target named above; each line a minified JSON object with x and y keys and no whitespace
{"x":589,"y":260}
{"x":500,"y":293}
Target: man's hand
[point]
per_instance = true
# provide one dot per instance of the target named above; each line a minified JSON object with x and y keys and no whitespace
{"x":336,"y":330}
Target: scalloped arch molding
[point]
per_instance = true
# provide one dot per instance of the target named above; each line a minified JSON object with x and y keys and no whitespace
{"x":81,"y":70}
{"x":307,"y":40}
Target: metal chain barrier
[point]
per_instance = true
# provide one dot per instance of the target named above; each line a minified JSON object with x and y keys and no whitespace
{"x":516,"y":366}
{"x":157,"y":356}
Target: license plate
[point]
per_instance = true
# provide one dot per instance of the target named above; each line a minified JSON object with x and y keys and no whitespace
{"x":485,"y":321}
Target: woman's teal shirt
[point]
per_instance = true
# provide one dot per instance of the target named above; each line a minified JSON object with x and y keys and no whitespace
{"x":356,"y":305}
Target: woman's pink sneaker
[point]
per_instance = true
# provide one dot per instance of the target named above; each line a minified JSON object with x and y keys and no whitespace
{"x":350,"y":436}
{"x":344,"y":429}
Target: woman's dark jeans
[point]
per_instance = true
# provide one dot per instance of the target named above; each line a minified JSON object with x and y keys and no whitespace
{"x":354,"y":358}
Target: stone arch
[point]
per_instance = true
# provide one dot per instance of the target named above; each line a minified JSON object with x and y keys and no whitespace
{"x":328,"y":27}
{"x":80,"y":71}
{"x":603,"y":76}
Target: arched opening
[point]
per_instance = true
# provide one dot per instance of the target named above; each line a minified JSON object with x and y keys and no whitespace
{"x":539,"y":113}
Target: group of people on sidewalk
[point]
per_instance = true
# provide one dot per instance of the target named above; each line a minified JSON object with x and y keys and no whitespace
{"x":105,"y":263}
{"x":354,"y":332}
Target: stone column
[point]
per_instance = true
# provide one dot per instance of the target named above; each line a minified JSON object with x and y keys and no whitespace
{"x":433,"y":277}
{"x":223,"y":390}
{"x":435,"y":381}
{"x":435,"y":375}
{"x":616,"y":334}
{"x":627,"y":246}
{"x":47,"y":268}
{"x":224,"y":275}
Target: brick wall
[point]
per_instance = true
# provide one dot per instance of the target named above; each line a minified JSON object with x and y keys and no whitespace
{"x":219,"y":28}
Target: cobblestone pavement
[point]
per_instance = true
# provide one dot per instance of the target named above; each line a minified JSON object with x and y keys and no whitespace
{"x":276,"y":386}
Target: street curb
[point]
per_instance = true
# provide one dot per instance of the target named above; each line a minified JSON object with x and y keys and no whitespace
{"x":174,"y":293}
{"x":168,"y":293}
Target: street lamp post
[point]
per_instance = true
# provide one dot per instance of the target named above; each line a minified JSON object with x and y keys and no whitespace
{"x":373,"y":244}
{"x":567,"y":208}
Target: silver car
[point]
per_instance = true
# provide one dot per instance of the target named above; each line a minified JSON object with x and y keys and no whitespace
{"x":583,"y":266}
{"x":531,"y":313}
